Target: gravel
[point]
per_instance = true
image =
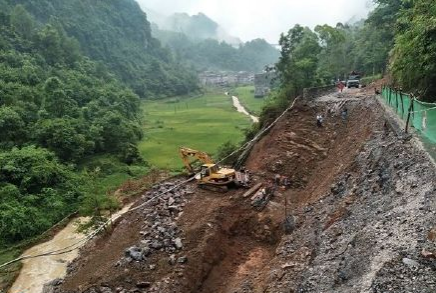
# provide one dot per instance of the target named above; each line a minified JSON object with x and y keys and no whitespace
{"x":381,"y":243}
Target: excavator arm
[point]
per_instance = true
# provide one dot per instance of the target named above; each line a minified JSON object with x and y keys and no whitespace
{"x":187,"y":153}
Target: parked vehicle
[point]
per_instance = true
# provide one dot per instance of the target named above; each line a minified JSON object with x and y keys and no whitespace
{"x":353,"y":80}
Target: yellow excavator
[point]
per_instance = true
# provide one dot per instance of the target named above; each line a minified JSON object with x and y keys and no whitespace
{"x":211,"y":175}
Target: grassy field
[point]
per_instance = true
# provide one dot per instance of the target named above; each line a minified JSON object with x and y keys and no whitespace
{"x":202,"y":123}
{"x":246,"y":96}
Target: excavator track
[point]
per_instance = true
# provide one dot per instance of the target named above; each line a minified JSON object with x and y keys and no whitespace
{"x":216,"y":188}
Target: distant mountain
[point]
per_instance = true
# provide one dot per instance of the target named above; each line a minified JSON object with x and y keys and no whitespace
{"x":198,"y":26}
{"x":203,"y":44}
{"x":211,"y":54}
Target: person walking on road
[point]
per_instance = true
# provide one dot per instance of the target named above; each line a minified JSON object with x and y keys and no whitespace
{"x":341,"y":86}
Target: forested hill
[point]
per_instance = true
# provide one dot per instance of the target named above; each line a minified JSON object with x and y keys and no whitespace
{"x":200,"y":42}
{"x":58,"y":110}
{"x":117,"y":33}
{"x":198,"y":27}
{"x":211,"y":54}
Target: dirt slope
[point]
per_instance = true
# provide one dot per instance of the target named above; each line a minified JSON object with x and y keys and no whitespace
{"x":362,"y":201}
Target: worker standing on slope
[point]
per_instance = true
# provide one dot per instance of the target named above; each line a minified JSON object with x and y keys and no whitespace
{"x":319,"y":120}
{"x":344,"y":114}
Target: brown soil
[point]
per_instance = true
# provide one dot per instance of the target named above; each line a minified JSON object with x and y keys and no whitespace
{"x":225,"y":240}
{"x":311,"y":156}
{"x":229,"y":245}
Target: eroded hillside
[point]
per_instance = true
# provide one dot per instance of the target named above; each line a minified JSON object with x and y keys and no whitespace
{"x":360,"y":207}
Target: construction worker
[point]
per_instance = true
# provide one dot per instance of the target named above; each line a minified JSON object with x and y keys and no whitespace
{"x":277,"y":180}
{"x":340,"y":86}
{"x":319,"y":120}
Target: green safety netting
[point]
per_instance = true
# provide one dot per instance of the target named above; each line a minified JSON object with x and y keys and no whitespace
{"x":423,"y":115}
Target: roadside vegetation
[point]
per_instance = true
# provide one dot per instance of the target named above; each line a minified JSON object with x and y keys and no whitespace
{"x":397,"y":40}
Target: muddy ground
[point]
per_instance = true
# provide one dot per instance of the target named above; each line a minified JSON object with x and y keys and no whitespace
{"x":361,"y":199}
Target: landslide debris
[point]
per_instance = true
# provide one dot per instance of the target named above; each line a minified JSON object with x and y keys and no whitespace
{"x":361,"y":199}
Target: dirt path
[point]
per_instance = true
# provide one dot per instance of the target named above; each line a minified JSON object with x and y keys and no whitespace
{"x":362,"y":201}
{"x":237,"y":104}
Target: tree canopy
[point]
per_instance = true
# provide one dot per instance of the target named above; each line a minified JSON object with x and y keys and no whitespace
{"x":397,"y":39}
{"x":211,"y":54}
{"x":58,"y":108}
{"x":117,"y":34}
{"x":413,"y":62}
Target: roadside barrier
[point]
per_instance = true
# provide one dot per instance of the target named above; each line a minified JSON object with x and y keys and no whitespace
{"x":420,"y":115}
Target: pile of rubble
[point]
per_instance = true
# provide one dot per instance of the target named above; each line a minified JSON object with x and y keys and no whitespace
{"x":160,"y":236}
{"x":372,"y":232}
{"x":160,"y":232}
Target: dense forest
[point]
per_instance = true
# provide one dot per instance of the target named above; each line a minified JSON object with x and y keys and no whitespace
{"x":117,"y":34}
{"x":210,"y":54}
{"x":59,"y":110}
{"x":397,"y":40}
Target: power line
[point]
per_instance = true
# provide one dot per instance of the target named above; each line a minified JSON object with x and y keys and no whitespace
{"x":77,"y":244}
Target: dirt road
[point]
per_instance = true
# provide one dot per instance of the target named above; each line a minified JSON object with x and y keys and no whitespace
{"x":362,"y":202}
{"x":237,"y":104}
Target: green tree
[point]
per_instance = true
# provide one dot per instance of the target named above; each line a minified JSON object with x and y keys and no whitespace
{"x":63,"y":137}
{"x":22,"y":22}
{"x":57,"y":103}
{"x":49,"y":44}
{"x":12,"y":128}
{"x":299,"y":58}
{"x":332,"y":58}
{"x":413,"y":62}
{"x":94,"y":202}
{"x":35,"y":191}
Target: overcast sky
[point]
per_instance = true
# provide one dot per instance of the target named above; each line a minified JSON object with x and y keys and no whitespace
{"x":250,"y":19}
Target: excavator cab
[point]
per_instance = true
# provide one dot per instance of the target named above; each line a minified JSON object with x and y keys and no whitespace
{"x":208,"y":169}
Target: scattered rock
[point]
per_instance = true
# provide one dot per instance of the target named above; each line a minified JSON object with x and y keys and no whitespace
{"x":411,"y":263}
{"x":428,"y":254}
{"x":143,"y":284}
{"x":172,"y":259}
{"x":432,"y":234}
{"x":105,"y":290}
{"x":182,"y":259}
{"x":178,"y":243}
{"x":135,"y":253}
